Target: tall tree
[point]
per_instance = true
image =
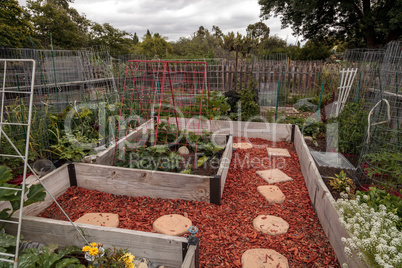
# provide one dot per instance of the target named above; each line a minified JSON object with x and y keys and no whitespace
{"x":258,"y":32}
{"x":108,"y":36}
{"x":135,"y":39}
{"x":201,"y":45}
{"x":362,"y":22}
{"x":15,"y":27}
{"x":69,"y":29}
{"x":155,"y":46}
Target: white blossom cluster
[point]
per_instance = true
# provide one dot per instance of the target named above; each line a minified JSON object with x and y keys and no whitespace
{"x":373,"y":236}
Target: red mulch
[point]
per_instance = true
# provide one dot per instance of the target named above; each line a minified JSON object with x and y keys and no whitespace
{"x":226,"y":231}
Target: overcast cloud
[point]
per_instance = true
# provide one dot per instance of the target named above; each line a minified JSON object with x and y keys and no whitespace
{"x":178,"y":18}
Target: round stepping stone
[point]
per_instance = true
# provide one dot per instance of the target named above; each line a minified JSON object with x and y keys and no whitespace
{"x":272,"y":193}
{"x":273,"y":175}
{"x":172,"y":224}
{"x":242,"y":145}
{"x":278,"y":152}
{"x":100,"y":219}
{"x":263,"y":258}
{"x":271,"y":225}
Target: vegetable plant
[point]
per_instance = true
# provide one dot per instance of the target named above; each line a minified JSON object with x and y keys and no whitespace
{"x":385,"y":165}
{"x":47,"y":256}
{"x":352,"y":127}
{"x":34,"y":193}
{"x":342,"y":183}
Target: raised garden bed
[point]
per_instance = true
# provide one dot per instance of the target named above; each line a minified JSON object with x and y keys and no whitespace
{"x":228,"y":234}
{"x":163,"y":249}
{"x":226,"y":230}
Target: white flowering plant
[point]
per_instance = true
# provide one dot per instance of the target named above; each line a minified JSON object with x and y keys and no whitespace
{"x":373,"y":235}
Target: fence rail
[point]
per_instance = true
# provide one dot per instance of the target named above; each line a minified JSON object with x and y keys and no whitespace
{"x":296,"y":77}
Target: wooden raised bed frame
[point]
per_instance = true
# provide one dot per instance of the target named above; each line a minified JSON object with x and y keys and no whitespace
{"x":170,"y":250}
{"x":167,"y":250}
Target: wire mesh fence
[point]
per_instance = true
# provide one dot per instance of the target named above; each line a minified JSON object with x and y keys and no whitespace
{"x":381,"y":154}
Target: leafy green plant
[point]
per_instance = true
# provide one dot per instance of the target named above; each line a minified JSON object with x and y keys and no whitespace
{"x":34,"y":193}
{"x":313,"y":128}
{"x":167,"y":133}
{"x":158,"y":157}
{"x":385,"y":165}
{"x":49,"y":257}
{"x":376,"y":197}
{"x":232,"y":97}
{"x":218,"y":105}
{"x":70,"y":148}
{"x":247,"y":106}
{"x":352,"y":126}
{"x":342,"y":183}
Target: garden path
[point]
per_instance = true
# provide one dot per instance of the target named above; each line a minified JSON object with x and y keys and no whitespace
{"x":268,"y":224}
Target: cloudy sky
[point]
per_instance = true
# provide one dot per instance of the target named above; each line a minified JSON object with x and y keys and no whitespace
{"x":178,"y":18}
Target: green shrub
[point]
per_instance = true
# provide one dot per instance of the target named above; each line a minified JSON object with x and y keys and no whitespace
{"x":248,"y":101}
{"x":342,"y":183}
{"x":352,"y":127}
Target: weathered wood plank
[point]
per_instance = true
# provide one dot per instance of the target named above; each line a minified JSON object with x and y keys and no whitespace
{"x":322,"y":200}
{"x":56,"y":183}
{"x":163,"y":249}
{"x":138,"y":182}
{"x":106,"y":157}
{"x":269,"y":131}
{"x":225,"y":163}
{"x":190,"y":259}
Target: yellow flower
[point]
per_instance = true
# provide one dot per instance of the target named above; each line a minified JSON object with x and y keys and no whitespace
{"x":86,"y":248}
{"x":93,"y":251}
{"x":94,"y":245}
{"x":128,"y":259}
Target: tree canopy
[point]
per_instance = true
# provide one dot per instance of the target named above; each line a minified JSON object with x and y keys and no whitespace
{"x":44,"y":21}
{"x":68,"y":27}
{"x":15,"y":27}
{"x":361,"y":22}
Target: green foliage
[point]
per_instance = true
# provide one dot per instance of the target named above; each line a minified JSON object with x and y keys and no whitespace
{"x":155,"y":46}
{"x":14,"y":25}
{"x":158,"y":157}
{"x":106,"y":35}
{"x":385,"y":165}
{"x":376,"y":197}
{"x":199,"y":46}
{"x":31,"y":257}
{"x":313,"y":128}
{"x":67,"y":26}
{"x":342,"y":183}
{"x":232,"y":98}
{"x":248,"y":105}
{"x":213,"y":106}
{"x":113,"y":258}
{"x":376,"y":23}
{"x":7,"y":245}
{"x":352,"y":126}
{"x":34,"y":193}
{"x":166,"y":133}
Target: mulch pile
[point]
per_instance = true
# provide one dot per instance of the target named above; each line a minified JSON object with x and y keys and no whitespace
{"x":225,"y":231}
